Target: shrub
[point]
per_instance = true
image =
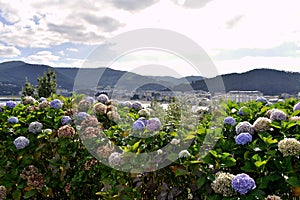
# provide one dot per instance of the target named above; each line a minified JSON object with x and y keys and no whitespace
{"x":50,"y":152}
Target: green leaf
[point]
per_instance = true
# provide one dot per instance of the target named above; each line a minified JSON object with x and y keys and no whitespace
{"x":257,"y":194}
{"x":268,"y":139}
{"x":201,"y":181}
{"x":214,"y":153}
{"x":262,"y":182}
{"x":181,"y":172}
{"x":29,"y":194}
{"x":228,"y":162}
{"x":291,"y":125}
{"x":102,"y":193}
{"x":172,"y":156}
{"x":136,"y":145}
{"x":248,"y":167}
{"x":274,"y":177}
{"x":256,"y":157}
{"x":189,"y":137}
{"x":16,"y":194}
{"x":260,"y":163}
{"x":293,"y":181}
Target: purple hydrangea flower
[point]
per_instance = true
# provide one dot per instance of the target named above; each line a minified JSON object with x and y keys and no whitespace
{"x":244,"y":127}
{"x":296,"y":106}
{"x":115,"y":159}
{"x":56,"y":103}
{"x":103,"y":98}
{"x":138,"y":125}
{"x":243,"y":183}
{"x":21,"y":142}
{"x":126,"y":104}
{"x":13,"y":120}
{"x":35,"y":127}
{"x":81,"y":116}
{"x":90,"y":99}
{"x":262,"y":99}
{"x":229,"y":120}
{"x":136,"y":105}
{"x":11,"y":104}
{"x":153,"y":124}
{"x":65,"y":120}
{"x":243,"y":138}
{"x":278,"y":115}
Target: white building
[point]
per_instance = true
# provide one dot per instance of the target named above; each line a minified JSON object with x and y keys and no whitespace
{"x":243,"y":96}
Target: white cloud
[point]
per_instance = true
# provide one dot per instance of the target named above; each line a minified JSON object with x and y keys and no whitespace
{"x":42,"y":57}
{"x":132,"y":5}
{"x":9,"y":51}
{"x":194,"y":4}
{"x":77,"y":22}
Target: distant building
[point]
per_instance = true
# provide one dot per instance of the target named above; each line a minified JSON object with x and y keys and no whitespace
{"x":243,"y":96}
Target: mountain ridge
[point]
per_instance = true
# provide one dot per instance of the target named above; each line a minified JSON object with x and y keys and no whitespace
{"x":268,"y":81}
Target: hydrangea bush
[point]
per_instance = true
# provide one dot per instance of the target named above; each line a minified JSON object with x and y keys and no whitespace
{"x":238,"y":151}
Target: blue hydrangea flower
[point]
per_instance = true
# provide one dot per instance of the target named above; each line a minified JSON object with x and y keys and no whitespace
{"x":153,"y":124}
{"x":296,"y":106}
{"x":229,"y":120}
{"x":11,"y":104}
{"x":65,"y":120}
{"x":138,"y":125}
{"x":56,"y":103}
{"x":103,"y":98}
{"x":243,"y":138}
{"x":243,"y":183}
{"x":144,"y":120}
{"x":262,"y":99}
{"x":136,"y":105}
{"x":13,"y":120}
{"x":21,"y":142}
{"x":35,"y":127}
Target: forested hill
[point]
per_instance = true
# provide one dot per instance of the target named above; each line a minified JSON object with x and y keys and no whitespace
{"x":268,"y":81}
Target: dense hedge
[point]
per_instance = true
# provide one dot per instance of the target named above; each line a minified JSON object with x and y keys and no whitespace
{"x":238,"y":151}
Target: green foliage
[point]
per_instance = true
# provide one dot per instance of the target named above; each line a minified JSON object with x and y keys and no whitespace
{"x":28,"y":89}
{"x":70,"y":171}
{"x":46,"y":84}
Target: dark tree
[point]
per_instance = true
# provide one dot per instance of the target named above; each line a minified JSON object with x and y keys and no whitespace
{"x":28,"y":89}
{"x":47,"y":84}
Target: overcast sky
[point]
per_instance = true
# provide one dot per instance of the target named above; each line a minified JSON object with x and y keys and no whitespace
{"x":237,"y":35}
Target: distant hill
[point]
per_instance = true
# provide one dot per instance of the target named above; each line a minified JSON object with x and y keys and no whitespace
{"x":268,"y":81}
{"x":13,"y":74}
